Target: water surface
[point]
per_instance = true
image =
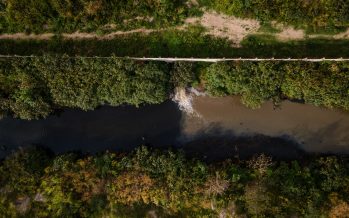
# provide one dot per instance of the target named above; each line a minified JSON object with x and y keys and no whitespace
{"x":113,"y":128}
{"x":222,"y":128}
{"x":316,"y":129}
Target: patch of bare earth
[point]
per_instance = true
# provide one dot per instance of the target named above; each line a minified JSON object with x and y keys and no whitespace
{"x":344,"y":35}
{"x":18,"y":36}
{"x":76,"y":35}
{"x":222,"y":26}
{"x":290,"y":33}
{"x":81,"y":35}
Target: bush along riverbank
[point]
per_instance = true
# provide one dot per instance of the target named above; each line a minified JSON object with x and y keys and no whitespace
{"x":32,"y":88}
{"x":35,"y":183}
{"x":322,"y":84}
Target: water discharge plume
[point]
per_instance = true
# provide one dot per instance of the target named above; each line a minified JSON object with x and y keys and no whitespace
{"x":184,"y":99}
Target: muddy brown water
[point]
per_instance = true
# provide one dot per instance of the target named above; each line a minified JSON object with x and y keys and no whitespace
{"x":315,"y":129}
{"x":222,"y":126}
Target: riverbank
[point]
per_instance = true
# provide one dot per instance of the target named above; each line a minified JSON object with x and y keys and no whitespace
{"x":35,"y":87}
{"x":144,"y":182}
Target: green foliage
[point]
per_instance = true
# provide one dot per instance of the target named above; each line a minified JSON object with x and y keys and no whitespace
{"x":31,"y":88}
{"x":324,"y":84}
{"x":321,"y":84}
{"x":328,"y":14}
{"x":89,"y":15}
{"x":182,"y":74}
{"x":20,"y":171}
{"x":192,"y":42}
{"x":148,"y":181}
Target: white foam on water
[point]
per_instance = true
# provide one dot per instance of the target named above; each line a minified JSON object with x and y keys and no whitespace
{"x":184,"y":98}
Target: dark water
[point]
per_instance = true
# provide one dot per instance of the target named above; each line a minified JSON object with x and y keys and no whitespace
{"x":223,"y":128}
{"x":113,"y":128}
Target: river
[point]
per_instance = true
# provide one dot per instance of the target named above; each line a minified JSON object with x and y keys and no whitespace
{"x":222,"y":127}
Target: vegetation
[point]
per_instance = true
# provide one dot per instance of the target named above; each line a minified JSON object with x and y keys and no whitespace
{"x":322,"y":84}
{"x":89,"y":15}
{"x":31,"y":88}
{"x":103,"y":16}
{"x":329,"y":14}
{"x":37,"y":184}
{"x":176,"y":43}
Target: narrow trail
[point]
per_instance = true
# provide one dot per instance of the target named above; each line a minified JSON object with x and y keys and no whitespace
{"x":218,"y":25}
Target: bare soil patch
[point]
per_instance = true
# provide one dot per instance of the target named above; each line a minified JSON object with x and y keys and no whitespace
{"x":81,"y":35}
{"x":344,"y":35}
{"x":290,"y":33}
{"x":18,"y":36}
{"x":222,"y":26}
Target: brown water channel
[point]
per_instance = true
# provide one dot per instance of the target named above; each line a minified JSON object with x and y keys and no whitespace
{"x":222,"y":128}
{"x":315,"y":129}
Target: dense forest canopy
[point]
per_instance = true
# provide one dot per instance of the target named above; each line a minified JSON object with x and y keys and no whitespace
{"x":105,"y":15}
{"x":303,"y":13}
{"x":34,"y":183}
{"x":32,"y":88}
{"x":88,"y":15}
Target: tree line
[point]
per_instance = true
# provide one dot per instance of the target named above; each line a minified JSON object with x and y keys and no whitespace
{"x":329,"y":14}
{"x":35,"y":183}
{"x":322,"y":84}
{"x":33,"y":88}
{"x":107,"y":15}
{"x":88,"y":15}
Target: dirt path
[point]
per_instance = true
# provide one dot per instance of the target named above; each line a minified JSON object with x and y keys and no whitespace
{"x":234,"y":29}
{"x":217,"y":25}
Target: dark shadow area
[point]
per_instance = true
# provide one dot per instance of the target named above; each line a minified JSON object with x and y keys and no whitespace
{"x":219,"y":148}
{"x":187,"y":44}
{"x":215,"y":144}
{"x":107,"y":128}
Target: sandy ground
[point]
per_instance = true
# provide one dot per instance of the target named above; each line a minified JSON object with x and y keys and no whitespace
{"x":290,"y":33}
{"x":80,"y":35}
{"x":17,"y":36}
{"x":222,"y":26}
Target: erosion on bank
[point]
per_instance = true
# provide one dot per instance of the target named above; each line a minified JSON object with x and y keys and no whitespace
{"x":34,"y":183}
{"x":31,"y":88}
